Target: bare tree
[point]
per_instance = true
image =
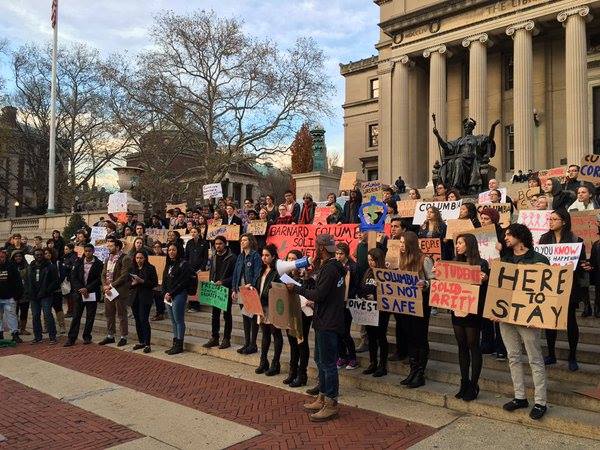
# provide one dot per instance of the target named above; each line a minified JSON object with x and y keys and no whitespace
{"x":231,"y":97}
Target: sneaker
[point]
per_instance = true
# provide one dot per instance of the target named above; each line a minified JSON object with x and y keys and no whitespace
{"x":352,"y":364}
{"x":138,"y":346}
{"x":538,"y":411}
{"x":501,"y":356}
{"x":514,"y":404}
{"x":147,"y":349}
{"x":341,"y":362}
{"x":573,"y":366}
{"x":107,"y":340}
{"x":549,"y":360}
{"x":122,"y":342}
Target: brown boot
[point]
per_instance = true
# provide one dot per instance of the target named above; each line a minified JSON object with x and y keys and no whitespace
{"x":329,"y":411}
{"x":316,"y":405}
{"x":22,"y":330}
{"x":60,"y":318}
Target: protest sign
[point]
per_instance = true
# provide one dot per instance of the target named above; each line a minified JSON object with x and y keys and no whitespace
{"x":535,"y":295}
{"x":371,"y":188}
{"x":538,"y":222}
{"x":523,"y":196}
{"x":321,"y":215}
{"x":556,"y":172}
{"x":458,"y":226}
{"x":203,"y":275}
{"x":406,"y":208}
{"x":484,"y":197}
{"x":159,"y":263}
{"x":284,"y":307}
{"x":449,"y":210}
{"x":502,"y":208}
{"x":101,"y":252}
{"x":213,"y":295}
{"x":231,"y":232}
{"x":250,"y":299}
{"x":214,"y":190}
{"x":158,"y":234}
{"x":257,"y":227}
{"x":590,"y":169}
{"x":431,"y":247}
{"x":392,"y":256}
{"x":487,"y":239}
{"x":182,"y":206}
{"x":561,"y":254}
{"x":397,"y":292}
{"x":462,"y":298}
{"x":98,"y":235}
{"x":583,"y":225}
{"x":128,"y":243}
{"x":364,"y":312}
{"x":458,"y":272}
{"x":117,"y":203}
{"x":303,"y":237}
{"x":348,"y":180}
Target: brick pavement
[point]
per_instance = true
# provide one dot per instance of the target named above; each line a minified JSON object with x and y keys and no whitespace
{"x":33,"y":420}
{"x":276,"y":413}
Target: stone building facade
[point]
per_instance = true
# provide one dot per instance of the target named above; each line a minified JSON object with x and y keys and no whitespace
{"x":533,"y":64}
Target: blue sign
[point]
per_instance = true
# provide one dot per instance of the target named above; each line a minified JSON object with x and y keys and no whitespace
{"x":372,"y":215}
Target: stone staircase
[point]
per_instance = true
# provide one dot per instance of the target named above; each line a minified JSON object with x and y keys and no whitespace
{"x":569,"y":412}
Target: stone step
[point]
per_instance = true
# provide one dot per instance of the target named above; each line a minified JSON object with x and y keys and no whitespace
{"x":574,"y":421}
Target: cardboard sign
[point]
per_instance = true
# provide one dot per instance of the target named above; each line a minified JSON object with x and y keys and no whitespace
{"x":101,"y":252}
{"x":348,"y":180}
{"x":257,"y":227}
{"x":231,"y":232}
{"x":458,"y":272}
{"x":461,"y":298}
{"x":371,"y":188}
{"x":303,"y":237}
{"x":538,"y":222}
{"x":203,"y":276}
{"x":458,"y":226}
{"x":487,"y":239}
{"x":406,"y":208}
{"x":158,"y":234}
{"x":484,"y":197}
{"x":523,"y":196}
{"x":181,"y":206}
{"x":561,"y":254}
{"x":159,"y":263}
{"x":213,"y":295}
{"x":117,"y":203}
{"x":449,"y":210}
{"x":397,"y":292}
{"x":250,"y":299}
{"x":392,"y":256}
{"x":431,"y":247}
{"x":590,"y":169}
{"x":128,"y":243}
{"x":583,"y":225}
{"x":98,"y":235}
{"x":502,"y":208}
{"x":535,"y":295}
{"x":284,"y":307}
{"x":364,"y":312}
{"x":557,"y":172}
{"x":214,"y":190}
{"x":321,"y":215}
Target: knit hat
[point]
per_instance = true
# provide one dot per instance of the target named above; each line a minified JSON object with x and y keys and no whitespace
{"x":493,"y":214}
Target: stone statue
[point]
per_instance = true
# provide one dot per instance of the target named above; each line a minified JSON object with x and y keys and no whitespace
{"x":465,"y":161}
{"x":319,"y":150}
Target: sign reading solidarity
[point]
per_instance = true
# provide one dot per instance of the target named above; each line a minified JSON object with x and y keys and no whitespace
{"x":303,"y":237}
{"x":431,"y":247}
{"x":537,"y":221}
{"x":487,"y":239}
{"x":456,"y":287}
{"x":214,"y":190}
{"x":213,"y":295}
{"x":458,"y":272}
{"x":449,"y":210}
{"x":535,"y":295}
{"x":397,"y":292}
{"x":583,"y":225}
{"x":561,"y":254}
{"x":364,"y":312}
{"x":590,"y":169}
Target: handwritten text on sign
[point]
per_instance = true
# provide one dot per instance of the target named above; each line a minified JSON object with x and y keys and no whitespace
{"x":537,"y":221}
{"x":364,"y":312}
{"x":431,"y":247}
{"x":303,"y":237}
{"x":561,"y":254}
{"x":590,"y":168}
{"x":534,"y":295}
{"x":459,"y":297}
{"x":458,"y":272}
{"x":397,"y":292}
{"x":449,"y":210}
{"x":213,"y":295}
{"x":214,"y":190}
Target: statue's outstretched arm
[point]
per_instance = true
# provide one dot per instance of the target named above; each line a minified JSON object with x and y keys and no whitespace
{"x":493,"y":129}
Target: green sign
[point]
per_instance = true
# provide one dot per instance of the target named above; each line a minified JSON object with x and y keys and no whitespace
{"x":211,"y":294}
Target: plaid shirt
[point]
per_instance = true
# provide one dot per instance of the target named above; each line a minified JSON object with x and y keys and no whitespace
{"x":110,"y":266}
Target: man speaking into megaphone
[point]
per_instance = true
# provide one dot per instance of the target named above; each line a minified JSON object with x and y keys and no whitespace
{"x":284,"y":267}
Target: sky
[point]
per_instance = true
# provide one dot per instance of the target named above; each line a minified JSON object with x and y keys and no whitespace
{"x":346,"y":30}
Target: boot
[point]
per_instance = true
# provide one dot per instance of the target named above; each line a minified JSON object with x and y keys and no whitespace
{"x":213,"y":342}
{"x":177,"y":348}
{"x":371,"y":368}
{"x":274,"y":369}
{"x":300,"y":380}
{"x":263,"y":366}
{"x":381,"y":371}
{"x":22,"y":328}
{"x":418,"y":380}
{"x":168,"y":352}
{"x":60,"y":318}
{"x":16,"y":338}
{"x":291,"y":376}
{"x":412,"y":373}
{"x":471,"y":392}
{"x":587,"y":309}
{"x":597,"y":307}
{"x":225,"y":343}
{"x":313,"y":390}
{"x":316,"y":405}
{"x":463,"y":387}
{"x":329,"y":411}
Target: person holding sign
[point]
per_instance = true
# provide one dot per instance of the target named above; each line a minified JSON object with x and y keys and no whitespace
{"x":176,"y":281}
{"x":584,"y":200}
{"x":268,"y":275}
{"x":469,"y":211}
{"x":143,"y":280}
{"x":519,"y":242}
{"x":560,"y":233}
{"x":196,"y":254}
{"x":434,"y":227}
{"x":560,"y":197}
{"x":593,"y":267}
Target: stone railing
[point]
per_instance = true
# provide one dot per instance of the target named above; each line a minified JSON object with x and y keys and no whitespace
{"x":31,"y":226}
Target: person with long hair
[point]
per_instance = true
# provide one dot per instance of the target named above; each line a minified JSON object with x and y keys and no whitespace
{"x":143,"y":280}
{"x":468,"y":328}
{"x":452,"y":195}
{"x":417,"y":328}
{"x":560,"y":233}
{"x":377,"y":334}
{"x":18,"y":259}
{"x":351,"y":207}
{"x":414,"y":194}
{"x":176,"y":280}
{"x":196,"y":254}
{"x":435,"y":227}
{"x":271,"y":207}
{"x":139,"y":246}
{"x":468,"y":210}
{"x":268,"y":275}
{"x":346,"y":347}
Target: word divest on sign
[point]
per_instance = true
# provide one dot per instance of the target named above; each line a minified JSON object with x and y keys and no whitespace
{"x":456,"y":287}
{"x":487,"y":241}
{"x":303,"y":237}
{"x":448,"y":210}
{"x":213,"y":295}
{"x":214,"y":190}
{"x":363,"y":311}
{"x":231,"y":232}
{"x":561,"y":254}
{"x":484,"y":197}
{"x":590,"y":169}
{"x":397,"y":292}
{"x":538,"y":222}
{"x":535,"y":295}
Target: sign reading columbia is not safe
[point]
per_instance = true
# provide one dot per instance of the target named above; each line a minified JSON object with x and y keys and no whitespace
{"x":397,"y":292}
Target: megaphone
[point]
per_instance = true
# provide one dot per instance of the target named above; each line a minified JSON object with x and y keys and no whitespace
{"x":287,"y":266}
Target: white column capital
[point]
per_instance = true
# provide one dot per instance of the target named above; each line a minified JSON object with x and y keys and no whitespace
{"x":527,"y":26}
{"x":582,"y":11}
{"x":484,"y":38}
{"x":385,"y":67}
{"x":441,"y":49}
{"x":405,"y":60}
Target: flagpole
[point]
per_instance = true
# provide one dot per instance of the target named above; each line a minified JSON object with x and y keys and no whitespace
{"x":52,"y":149}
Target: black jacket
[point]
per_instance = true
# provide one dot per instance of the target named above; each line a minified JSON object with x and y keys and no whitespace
{"x":328,"y":296}
{"x":11,"y":285}
{"x":176,"y":277}
{"x":143,"y":292}
{"x":595,"y":263}
{"x":235,"y":220}
{"x":272,"y":277}
{"x":94,"y":281}
{"x":223,"y":271}
{"x":352,"y":268}
{"x":46,"y":274}
{"x":196,"y":253}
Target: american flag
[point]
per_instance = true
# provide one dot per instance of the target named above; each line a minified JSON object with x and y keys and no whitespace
{"x":54,"y":15}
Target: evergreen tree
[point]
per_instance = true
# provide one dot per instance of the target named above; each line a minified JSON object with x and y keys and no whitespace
{"x":301,"y":148}
{"x":75,"y":223}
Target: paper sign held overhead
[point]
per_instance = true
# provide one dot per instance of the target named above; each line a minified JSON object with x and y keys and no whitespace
{"x":214,"y":190}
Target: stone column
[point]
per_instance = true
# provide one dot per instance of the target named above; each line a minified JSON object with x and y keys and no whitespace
{"x":523,"y":93}
{"x":385,"y":122}
{"x":477,"y":46}
{"x":437,"y":99}
{"x":576,"y":82}
{"x":400,"y":119}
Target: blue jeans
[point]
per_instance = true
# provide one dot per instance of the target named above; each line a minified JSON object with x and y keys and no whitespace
{"x":36,"y":311}
{"x":326,"y":354}
{"x":9,"y":308}
{"x":177,"y":314}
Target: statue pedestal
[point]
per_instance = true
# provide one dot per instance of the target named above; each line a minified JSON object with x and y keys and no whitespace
{"x":133,"y":205}
{"x":318,"y":184}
